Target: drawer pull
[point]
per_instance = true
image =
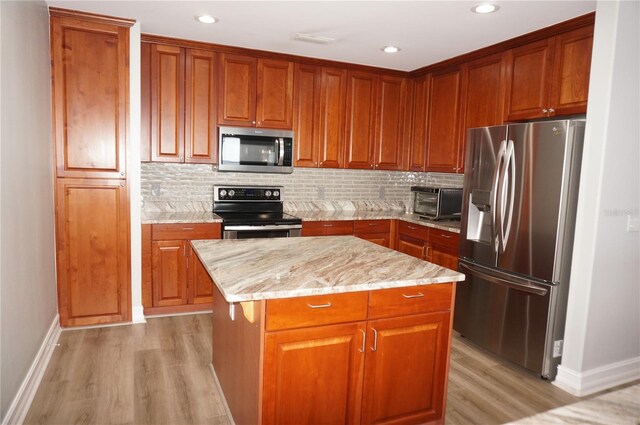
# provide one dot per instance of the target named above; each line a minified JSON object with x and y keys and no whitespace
{"x":418,"y":295}
{"x":375,"y":340}
{"x":319,"y":305}
{"x":373,"y":224}
{"x":445,"y":236}
{"x":412,"y":228}
{"x":327,"y":225}
{"x":364,"y":341}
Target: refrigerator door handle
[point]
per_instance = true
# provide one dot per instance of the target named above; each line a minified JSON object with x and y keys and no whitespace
{"x":510,"y":166}
{"x":506,"y":192}
{"x":517,"y":283}
{"x":496,"y":218}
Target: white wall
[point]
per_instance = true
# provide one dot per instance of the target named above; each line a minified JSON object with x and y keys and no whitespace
{"x":602,"y":337}
{"x":27,"y":268}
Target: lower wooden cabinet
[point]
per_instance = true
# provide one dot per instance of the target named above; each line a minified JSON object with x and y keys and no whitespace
{"x":92,"y":245}
{"x":173,"y":280}
{"x":411,"y":246}
{"x":327,"y":228}
{"x":376,"y":231}
{"x":427,"y":243}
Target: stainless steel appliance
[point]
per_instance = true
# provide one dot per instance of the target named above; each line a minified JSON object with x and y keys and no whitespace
{"x":437,"y":203}
{"x":253,"y":212}
{"x":516,"y":239}
{"x":255,"y":150}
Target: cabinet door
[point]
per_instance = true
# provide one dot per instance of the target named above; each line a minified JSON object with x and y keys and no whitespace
{"x":389,"y":140}
{"x":145,"y":102}
{"x":361,"y":119}
{"x":411,"y":246}
{"x":332,"y":117}
{"x":167,"y":103}
{"x":571,"y":70}
{"x":308,"y":80}
{"x":381,"y":239}
{"x":442,"y":256}
{"x":200,"y":107}
{"x":92,"y":243}
{"x":314,"y":375}
{"x":169,"y":260}
{"x":90,"y":69}
{"x":237,"y":90}
{"x":418,"y":149}
{"x":443,"y":132}
{"x":200,"y":283}
{"x":529,"y":84}
{"x":406,"y":369}
{"x":275,"y":94}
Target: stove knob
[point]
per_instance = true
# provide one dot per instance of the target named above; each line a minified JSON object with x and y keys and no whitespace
{"x":268,"y":193}
{"x":276,"y":193}
{"x":232,"y":192}
{"x":223,"y":193}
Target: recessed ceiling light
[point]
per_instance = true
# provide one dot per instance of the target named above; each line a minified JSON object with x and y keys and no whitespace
{"x":206,"y":19}
{"x":390,"y":49}
{"x":312,"y":38}
{"x":485,"y":8}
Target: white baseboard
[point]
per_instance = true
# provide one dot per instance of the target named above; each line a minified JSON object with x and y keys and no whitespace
{"x":137,"y":314}
{"x":22,"y":401}
{"x":598,"y":379}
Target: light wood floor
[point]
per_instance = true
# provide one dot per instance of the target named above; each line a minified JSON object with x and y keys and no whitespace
{"x":157,"y":373}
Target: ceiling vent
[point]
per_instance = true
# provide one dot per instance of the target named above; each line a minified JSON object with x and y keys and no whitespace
{"x":310,"y":38}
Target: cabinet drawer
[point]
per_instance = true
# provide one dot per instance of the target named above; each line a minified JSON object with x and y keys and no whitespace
{"x":410,"y":300}
{"x":327,"y":228}
{"x":371,"y":226}
{"x":444,"y":238}
{"x":316,"y":310}
{"x":186,"y":231}
{"x":413,"y":230}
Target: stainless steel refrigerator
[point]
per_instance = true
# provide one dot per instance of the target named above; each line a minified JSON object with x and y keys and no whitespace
{"x":516,"y":239}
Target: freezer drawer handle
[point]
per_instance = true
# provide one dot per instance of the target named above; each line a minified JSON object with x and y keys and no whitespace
{"x":418,"y":295}
{"x":526,"y":287}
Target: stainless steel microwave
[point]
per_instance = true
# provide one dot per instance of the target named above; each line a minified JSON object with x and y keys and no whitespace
{"x":255,"y":150}
{"x":437,"y":203}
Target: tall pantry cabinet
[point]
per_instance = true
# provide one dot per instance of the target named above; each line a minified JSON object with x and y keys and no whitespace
{"x":90,"y":88}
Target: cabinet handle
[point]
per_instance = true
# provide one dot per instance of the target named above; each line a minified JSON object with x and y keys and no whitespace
{"x":427,"y":252}
{"x":544,"y":111}
{"x":187,"y":228}
{"x":412,"y":228}
{"x":375,"y":340}
{"x":373,"y":224}
{"x":315,"y":163}
{"x":319,"y":305}
{"x":445,"y":236}
{"x":327,"y":225}
{"x":551,"y":110}
{"x":253,"y":122}
{"x":418,"y":295}
{"x":364,"y":341}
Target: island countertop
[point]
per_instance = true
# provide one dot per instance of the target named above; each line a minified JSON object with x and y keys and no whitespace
{"x":258,"y":269}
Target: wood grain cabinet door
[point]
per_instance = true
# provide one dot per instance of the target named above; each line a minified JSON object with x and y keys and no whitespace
{"x":332,"y":117}
{"x":411,"y":246}
{"x":306,"y":121}
{"x":200,"y":107}
{"x":418,"y":147}
{"x":361,"y":119}
{"x":529,"y":84}
{"x":389,"y":141}
{"x":200,"y":283}
{"x":406,"y":369}
{"x":237,"y":90}
{"x":571,"y":70}
{"x":90,"y":95}
{"x":167,"y":103}
{"x":169,"y":260}
{"x":92,"y":242}
{"x":314,"y":375}
{"x":443,"y":134}
{"x":275,"y":94}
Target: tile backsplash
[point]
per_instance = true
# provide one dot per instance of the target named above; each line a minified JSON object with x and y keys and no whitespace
{"x":187,"y":187}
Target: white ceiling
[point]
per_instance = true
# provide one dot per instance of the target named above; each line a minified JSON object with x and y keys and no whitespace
{"x":426,"y":31}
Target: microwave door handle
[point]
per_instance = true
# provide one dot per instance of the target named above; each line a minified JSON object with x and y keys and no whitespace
{"x":280,"y":144}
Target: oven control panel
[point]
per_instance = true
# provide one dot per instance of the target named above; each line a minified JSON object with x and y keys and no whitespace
{"x":251,"y":194}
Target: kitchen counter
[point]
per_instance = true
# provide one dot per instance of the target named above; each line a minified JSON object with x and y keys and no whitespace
{"x":180,"y":217}
{"x":258,"y":269}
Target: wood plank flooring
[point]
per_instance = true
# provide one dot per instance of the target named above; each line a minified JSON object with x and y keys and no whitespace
{"x":157,"y":373}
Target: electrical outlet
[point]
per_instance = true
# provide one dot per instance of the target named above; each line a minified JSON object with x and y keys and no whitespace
{"x":632,"y":223}
{"x":382,"y":192}
{"x":320,"y":194}
{"x":557,"y":348}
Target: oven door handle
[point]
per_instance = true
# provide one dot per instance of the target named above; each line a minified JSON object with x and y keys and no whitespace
{"x":266,"y":227}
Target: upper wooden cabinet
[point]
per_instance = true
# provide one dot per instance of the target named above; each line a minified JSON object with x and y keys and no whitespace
{"x":550,"y":77}
{"x":392,"y":106}
{"x":443,"y":129}
{"x":178,"y":104}
{"x":255,"y":92}
{"x":361,"y":119}
{"x":319,"y":116}
{"x":90,"y":68}
{"x":418,"y":146}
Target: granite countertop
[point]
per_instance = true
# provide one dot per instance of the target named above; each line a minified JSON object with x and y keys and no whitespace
{"x":179,"y":217}
{"x":449,"y":225}
{"x":257,"y":269}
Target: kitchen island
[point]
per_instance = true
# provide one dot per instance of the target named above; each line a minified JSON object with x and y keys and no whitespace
{"x":328,"y":330}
